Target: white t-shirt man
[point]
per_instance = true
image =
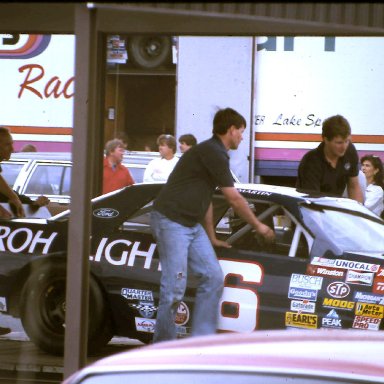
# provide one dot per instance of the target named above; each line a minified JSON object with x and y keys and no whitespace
{"x":159,"y":169}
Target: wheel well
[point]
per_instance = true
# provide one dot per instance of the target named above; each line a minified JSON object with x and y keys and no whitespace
{"x":21,"y":278}
{"x":23,"y":274}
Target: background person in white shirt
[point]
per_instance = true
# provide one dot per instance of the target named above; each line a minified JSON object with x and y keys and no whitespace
{"x":159,"y":169}
{"x":372,"y":168}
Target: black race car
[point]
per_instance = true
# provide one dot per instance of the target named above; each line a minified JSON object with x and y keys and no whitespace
{"x":326,"y":269}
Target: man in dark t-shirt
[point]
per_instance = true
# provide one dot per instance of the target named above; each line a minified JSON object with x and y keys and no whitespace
{"x":182,"y":223}
{"x":334,"y":164}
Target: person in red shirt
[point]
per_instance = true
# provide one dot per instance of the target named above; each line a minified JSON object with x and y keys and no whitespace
{"x":115,"y":174}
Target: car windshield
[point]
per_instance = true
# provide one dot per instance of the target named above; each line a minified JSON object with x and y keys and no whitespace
{"x":347,"y":230}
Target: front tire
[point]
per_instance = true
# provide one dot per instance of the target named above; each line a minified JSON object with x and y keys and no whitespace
{"x":43,"y":310}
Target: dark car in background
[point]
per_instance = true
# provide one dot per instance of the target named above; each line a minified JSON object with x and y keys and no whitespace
{"x":326,"y":269}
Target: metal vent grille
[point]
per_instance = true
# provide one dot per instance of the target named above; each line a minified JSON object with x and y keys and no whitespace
{"x":368,"y":15}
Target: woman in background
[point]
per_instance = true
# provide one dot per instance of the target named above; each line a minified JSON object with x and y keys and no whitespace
{"x":372,"y":168}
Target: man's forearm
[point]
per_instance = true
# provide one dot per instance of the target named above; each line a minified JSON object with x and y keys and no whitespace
{"x":241,"y":207}
{"x":208,"y":223}
{"x":6,"y":190}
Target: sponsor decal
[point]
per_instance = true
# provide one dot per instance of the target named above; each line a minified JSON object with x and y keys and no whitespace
{"x":365,"y":322}
{"x":253,"y":192}
{"x":303,"y":306}
{"x":325,"y":271}
{"x":378,"y":282}
{"x":300,"y":320}
{"x":137,"y":294}
{"x":367,"y":297}
{"x":25,"y":240}
{"x":301,"y":293}
{"x":182,"y":331}
{"x":145,"y":309}
{"x":356,"y":265}
{"x":3,"y":304}
{"x":105,"y":213}
{"x":338,"y":289}
{"x":145,"y":325}
{"x":337,"y":303}
{"x":331,"y":320}
{"x":363,"y":278}
{"x":372,"y":310}
{"x":305,"y":281}
{"x":129,"y":253}
{"x":182,"y":314}
{"x":378,"y":287}
{"x":323,"y":262}
{"x":345,"y":264}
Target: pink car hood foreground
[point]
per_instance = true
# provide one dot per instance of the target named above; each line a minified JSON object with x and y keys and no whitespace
{"x":327,"y":353}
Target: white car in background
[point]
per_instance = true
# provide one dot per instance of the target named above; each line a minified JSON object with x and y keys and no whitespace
{"x":49,"y":173}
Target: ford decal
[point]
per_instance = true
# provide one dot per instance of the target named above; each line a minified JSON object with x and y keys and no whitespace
{"x":106,"y":213}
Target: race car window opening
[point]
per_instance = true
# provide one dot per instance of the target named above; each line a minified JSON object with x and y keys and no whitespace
{"x":247,"y":227}
{"x":140,"y":220}
{"x":291,"y":239}
{"x":289,"y":231}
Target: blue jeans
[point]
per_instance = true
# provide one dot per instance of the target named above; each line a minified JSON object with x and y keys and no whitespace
{"x":181,"y":249}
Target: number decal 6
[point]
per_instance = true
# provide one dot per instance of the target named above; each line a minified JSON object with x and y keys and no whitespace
{"x":238,"y":307}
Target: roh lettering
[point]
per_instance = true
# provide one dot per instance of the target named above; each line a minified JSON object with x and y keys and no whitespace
{"x":22,"y":239}
{"x":127,"y":257}
{"x":53,"y":87}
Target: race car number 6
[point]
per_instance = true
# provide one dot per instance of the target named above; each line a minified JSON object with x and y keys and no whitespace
{"x":243,"y":301}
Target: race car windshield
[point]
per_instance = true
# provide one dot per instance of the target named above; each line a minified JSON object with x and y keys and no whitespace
{"x":347,"y":231}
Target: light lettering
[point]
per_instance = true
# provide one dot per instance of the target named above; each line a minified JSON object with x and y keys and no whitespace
{"x":124,"y":254}
{"x":147,"y":254}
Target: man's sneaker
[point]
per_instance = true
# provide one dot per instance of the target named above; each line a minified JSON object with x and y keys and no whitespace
{"x":4,"y":331}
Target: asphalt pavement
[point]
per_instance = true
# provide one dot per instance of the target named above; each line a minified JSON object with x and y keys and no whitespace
{"x":22,"y":362}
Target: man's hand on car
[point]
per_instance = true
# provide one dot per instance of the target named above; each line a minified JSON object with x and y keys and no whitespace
{"x":41,"y":201}
{"x":18,"y":206}
{"x":5,"y":214}
{"x":266,"y":233}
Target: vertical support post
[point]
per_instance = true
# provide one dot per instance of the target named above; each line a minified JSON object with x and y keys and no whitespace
{"x":251,"y":176}
{"x":77,"y":301}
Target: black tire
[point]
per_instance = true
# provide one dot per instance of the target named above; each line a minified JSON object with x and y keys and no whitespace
{"x":150,"y":51}
{"x":43,"y":310}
